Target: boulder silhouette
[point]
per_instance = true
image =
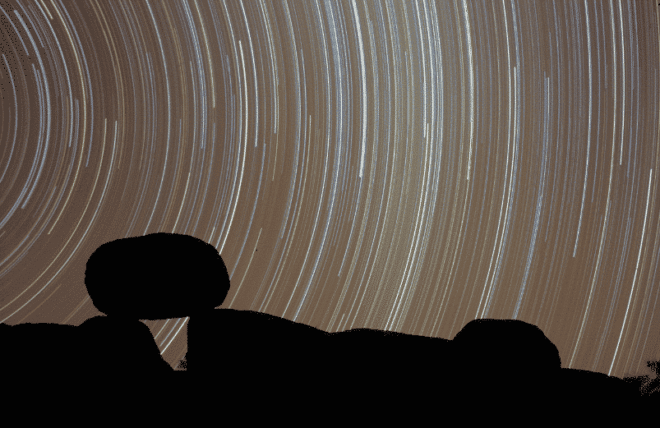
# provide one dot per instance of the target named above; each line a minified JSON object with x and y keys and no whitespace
{"x":156,"y":276}
{"x":511,"y":355}
{"x":509,"y":343}
{"x":122,"y":347}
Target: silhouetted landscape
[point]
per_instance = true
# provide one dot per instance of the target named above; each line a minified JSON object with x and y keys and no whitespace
{"x":263,"y":364}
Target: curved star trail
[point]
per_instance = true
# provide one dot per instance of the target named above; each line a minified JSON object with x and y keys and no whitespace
{"x":407,"y":166}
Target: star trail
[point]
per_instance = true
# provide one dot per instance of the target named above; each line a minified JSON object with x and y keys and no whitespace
{"x":398,"y":165}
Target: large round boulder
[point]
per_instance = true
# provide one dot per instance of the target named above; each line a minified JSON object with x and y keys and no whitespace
{"x":156,"y":276}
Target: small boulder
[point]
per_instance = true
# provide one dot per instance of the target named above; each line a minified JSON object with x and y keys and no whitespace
{"x":511,"y":344}
{"x":512,"y":356}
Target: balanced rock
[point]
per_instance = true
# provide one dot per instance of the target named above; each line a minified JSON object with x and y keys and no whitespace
{"x":156,"y":276}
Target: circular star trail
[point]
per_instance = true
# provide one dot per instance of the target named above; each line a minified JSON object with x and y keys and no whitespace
{"x":406,"y":166}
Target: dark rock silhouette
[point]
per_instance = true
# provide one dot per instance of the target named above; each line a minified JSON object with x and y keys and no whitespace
{"x":596,"y":388}
{"x":106,"y":340}
{"x":509,"y":352}
{"x":40,"y":349}
{"x":253,"y":348}
{"x":157,"y":276}
{"x":97,"y":348}
{"x":253,"y":363}
{"x":390,"y":363}
{"x":511,"y":345}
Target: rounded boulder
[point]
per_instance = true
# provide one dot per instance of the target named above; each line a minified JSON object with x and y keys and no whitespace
{"x":156,"y":276}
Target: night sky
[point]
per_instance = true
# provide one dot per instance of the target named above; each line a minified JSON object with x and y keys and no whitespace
{"x":398,"y":165}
